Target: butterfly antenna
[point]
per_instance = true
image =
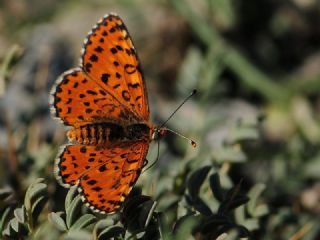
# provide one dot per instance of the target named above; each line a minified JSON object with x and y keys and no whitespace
{"x":192,"y":142}
{"x":187,"y":98}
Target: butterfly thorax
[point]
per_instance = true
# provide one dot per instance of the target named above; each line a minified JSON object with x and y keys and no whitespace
{"x":102,"y":134}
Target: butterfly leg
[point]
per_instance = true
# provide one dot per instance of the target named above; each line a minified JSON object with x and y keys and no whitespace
{"x":145,"y":163}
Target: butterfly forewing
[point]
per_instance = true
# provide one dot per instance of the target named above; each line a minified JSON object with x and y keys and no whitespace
{"x":110,"y":59}
{"x":77,"y":100}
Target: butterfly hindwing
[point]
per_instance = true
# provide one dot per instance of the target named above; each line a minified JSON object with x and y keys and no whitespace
{"x":105,"y":186}
{"x":73,"y":161}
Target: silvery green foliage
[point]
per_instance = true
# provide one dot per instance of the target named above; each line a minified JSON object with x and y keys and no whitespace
{"x":24,"y":220}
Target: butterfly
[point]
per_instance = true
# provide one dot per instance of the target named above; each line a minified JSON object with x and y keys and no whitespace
{"x":105,"y":104}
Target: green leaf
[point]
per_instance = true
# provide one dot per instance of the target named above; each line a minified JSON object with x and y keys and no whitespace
{"x":254,"y":194}
{"x":15,"y":227}
{"x":232,"y":204}
{"x":210,"y":72}
{"x":244,"y":132}
{"x":231,"y":235}
{"x":37,"y":207}
{"x":226,"y":228}
{"x":73,"y":211}
{"x":261,"y":210}
{"x":57,"y":221}
{"x":146,"y":212}
{"x":5,"y":218}
{"x":35,"y":190}
{"x":213,"y":222}
{"x":196,"y":179}
{"x":215,"y":186}
{"x":104,"y":223}
{"x":20,"y":214}
{"x":232,"y":154}
{"x":311,"y":168}
{"x":167,"y":201}
{"x":251,"y":224}
{"x":83,"y":222}
{"x":111,"y":232}
{"x":15,"y":224}
{"x":183,"y":231}
{"x":243,"y":231}
{"x":78,"y":235}
{"x":5,"y":192}
{"x":201,"y":206}
{"x":72,"y":193}
{"x":8,"y":231}
{"x":132,"y":210}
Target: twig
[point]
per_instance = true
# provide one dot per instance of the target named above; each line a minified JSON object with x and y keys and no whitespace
{"x":302,"y":231}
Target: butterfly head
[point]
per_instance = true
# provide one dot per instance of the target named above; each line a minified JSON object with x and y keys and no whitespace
{"x":158,"y":133}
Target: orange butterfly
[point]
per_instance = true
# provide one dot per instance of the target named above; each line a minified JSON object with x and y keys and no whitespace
{"x":105,"y":102}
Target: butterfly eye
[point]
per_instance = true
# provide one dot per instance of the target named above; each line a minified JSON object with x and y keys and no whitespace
{"x":155,"y":134}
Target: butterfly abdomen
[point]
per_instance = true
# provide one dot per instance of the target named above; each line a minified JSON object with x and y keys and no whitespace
{"x":104,"y":133}
{"x":97,"y":133}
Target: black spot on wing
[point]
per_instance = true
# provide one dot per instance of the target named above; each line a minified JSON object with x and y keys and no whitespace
{"x":89,"y":110}
{"x":125,"y":95}
{"x":88,"y":67}
{"x":91,"y":92}
{"x":129,"y":68}
{"x":83,"y":149}
{"x":93,"y":58}
{"x":133,"y":85}
{"x":92,"y":182}
{"x":102,"y":168}
{"x":116,"y":86}
{"x":118,"y":75}
{"x":119,"y":48}
{"x":97,"y":189}
{"x":113,"y":50}
{"x":105,"y":77}
{"x":99,"y":49}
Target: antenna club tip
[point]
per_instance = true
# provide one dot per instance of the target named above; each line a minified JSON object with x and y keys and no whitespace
{"x":193,"y":143}
{"x":194,"y":91}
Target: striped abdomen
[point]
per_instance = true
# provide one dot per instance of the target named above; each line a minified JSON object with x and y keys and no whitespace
{"x":103,"y":133}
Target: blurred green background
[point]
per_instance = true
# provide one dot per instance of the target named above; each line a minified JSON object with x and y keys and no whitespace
{"x":256,"y":117}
